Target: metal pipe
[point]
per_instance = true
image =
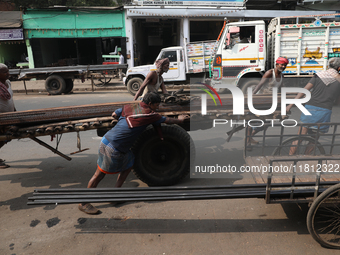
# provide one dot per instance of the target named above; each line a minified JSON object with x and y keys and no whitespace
{"x":51,"y":148}
{"x":241,"y":186}
{"x":258,"y":194}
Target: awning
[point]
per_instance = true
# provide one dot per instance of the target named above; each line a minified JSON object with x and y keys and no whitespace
{"x":10,"y":19}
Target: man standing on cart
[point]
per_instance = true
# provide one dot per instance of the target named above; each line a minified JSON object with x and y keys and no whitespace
{"x":326,"y":91}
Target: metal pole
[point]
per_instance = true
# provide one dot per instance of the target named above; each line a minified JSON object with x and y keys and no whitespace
{"x":51,"y":148}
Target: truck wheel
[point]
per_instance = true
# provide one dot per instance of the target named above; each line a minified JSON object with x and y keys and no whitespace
{"x":161,"y":163}
{"x":55,"y":85}
{"x":133,"y":85}
{"x":249,"y":84}
{"x":69,"y":86}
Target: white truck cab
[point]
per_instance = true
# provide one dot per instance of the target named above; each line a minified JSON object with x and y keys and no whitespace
{"x":240,"y":55}
{"x":191,"y":60}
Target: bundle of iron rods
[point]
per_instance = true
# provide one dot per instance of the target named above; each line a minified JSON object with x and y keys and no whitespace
{"x":102,"y":195}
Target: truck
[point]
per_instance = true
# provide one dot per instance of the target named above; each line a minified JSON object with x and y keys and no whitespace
{"x":187,"y":62}
{"x":308,"y":42}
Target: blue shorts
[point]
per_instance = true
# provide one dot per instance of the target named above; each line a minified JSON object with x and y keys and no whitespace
{"x":112,"y":161}
{"x":319,"y":115}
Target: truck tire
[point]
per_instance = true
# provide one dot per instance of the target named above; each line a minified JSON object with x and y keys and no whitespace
{"x":55,"y":85}
{"x":249,"y":84}
{"x":162,"y":163}
{"x":69,"y":86}
{"x":134,"y":84}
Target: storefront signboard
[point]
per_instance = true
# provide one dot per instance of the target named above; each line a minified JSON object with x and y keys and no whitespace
{"x":237,"y":3}
{"x":11,"y":34}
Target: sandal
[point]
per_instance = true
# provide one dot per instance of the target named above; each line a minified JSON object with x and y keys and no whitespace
{"x":88,"y":208}
{"x":3,"y":165}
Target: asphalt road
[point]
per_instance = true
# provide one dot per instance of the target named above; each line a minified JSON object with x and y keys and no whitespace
{"x":238,"y":226}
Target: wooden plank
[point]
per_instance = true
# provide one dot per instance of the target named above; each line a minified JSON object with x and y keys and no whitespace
{"x":254,"y":161}
{"x":332,"y":165}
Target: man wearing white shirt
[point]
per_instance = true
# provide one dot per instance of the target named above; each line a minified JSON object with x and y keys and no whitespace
{"x":6,"y":100}
{"x":121,"y":62}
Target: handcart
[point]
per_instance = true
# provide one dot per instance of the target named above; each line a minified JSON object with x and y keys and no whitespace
{"x":300,"y":168}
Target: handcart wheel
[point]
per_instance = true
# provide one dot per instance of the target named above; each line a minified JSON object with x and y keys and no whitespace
{"x":107,"y":81}
{"x":323,"y":218}
{"x":102,"y":81}
{"x":69,"y":86}
{"x":163,"y":162}
{"x":305,"y":147}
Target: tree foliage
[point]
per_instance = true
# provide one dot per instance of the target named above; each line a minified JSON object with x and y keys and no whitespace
{"x":47,"y":3}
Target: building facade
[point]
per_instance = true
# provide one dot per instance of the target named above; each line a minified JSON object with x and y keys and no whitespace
{"x":151,"y":26}
{"x":73,"y":36}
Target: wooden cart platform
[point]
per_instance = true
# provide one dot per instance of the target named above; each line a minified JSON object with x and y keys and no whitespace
{"x":302,"y":168}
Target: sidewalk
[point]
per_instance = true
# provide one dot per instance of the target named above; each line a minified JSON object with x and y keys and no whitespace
{"x":39,"y":86}
{"x":115,"y":84}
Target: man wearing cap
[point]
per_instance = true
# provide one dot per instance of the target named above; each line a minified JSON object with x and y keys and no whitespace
{"x":154,"y":79}
{"x":273,"y":78}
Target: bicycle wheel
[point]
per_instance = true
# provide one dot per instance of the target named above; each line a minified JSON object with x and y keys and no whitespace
{"x":306,"y":146}
{"x":323,"y":218}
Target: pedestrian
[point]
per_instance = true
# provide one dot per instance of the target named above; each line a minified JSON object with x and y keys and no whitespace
{"x":121,"y":62}
{"x":273,"y":78}
{"x":6,"y":101}
{"x":115,"y":156}
{"x":154,"y":79}
{"x":325,"y":91}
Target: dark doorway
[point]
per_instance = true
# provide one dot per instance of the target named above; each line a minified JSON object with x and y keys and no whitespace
{"x":67,"y":51}
{"x":151,"y":36}
{"x":87,"y":51}
{"x":205,"y":30}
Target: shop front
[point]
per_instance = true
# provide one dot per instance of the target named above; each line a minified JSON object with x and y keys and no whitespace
{"x":13,"y":51}
{"x":73,"y":36}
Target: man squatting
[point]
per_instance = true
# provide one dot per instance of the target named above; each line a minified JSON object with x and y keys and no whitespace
{"x":115,"y":156}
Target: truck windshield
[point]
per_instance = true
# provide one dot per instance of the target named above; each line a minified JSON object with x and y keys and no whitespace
{"x":171,"y":55}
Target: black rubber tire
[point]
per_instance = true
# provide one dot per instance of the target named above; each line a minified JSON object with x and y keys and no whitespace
{"x":162,"y":163}
{"x":283,"y":150}
{"x":55,"y":85}
{"x":134,"y":84}
{"x":249,"y":83}
{"x":69,"y":86}
{"x":323,"y":218}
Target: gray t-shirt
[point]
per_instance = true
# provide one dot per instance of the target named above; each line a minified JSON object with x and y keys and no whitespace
{"x":7,"y":105}
{"x":323,"y":96}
